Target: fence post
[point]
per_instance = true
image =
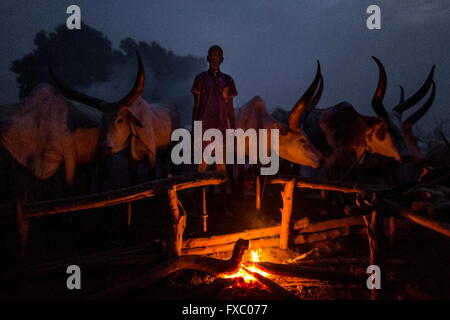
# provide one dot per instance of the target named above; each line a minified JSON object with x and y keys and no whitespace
{"x":375,"y":234}
{"x":23,"y":228}
{"x":129,"y":212}
{"x":178,"y":224}
{"x":288,"y":196}
{"x":258,"y":193}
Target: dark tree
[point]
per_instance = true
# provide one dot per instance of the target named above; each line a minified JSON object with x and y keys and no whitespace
{"x":81,"y":57}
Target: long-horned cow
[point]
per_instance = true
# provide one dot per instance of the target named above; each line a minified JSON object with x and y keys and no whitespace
{"x":294,"y":143}
{"x":349,"y":135}
{"x":131,"y":122}
{"x":45,"y":131}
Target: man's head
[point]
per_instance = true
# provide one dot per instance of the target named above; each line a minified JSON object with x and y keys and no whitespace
{"x":215,"y":57}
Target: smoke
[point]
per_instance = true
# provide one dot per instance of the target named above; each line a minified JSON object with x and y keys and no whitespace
{"x":172,"y":91}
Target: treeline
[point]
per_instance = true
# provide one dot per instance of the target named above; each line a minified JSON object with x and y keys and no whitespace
{"x":86,"y":60}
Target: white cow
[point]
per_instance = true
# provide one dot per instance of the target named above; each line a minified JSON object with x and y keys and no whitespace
{"x":45,"y":131}
{"x":294,"y":143}
{"x":132,"y":122}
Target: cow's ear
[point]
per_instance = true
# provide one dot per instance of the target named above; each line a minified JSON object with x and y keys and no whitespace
{"x":135,"y":121}
{"x":281,"y":127}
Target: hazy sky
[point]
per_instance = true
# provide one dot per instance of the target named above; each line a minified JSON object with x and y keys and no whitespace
{"x":270,"y":46}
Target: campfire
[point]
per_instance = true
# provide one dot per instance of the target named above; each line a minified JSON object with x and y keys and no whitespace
{"x":248,"y":278}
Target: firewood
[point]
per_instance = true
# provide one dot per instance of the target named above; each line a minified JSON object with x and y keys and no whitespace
{"x":194,"y":262}
{"x":299,"y":271}
{"x":271,"y":242}
{"x":273,"y":286}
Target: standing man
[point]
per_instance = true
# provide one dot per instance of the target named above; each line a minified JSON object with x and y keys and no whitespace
{"x":213,"y":105}
{"x":213,"y":99}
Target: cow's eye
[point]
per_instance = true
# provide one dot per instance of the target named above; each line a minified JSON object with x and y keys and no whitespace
{"x":303,"y":140}
{"x":120,"y":121}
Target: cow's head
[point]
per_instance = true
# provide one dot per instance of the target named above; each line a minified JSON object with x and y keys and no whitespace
{"x":295,"y":145}
{"x":118,"y":122}
{"x":388,"y":134}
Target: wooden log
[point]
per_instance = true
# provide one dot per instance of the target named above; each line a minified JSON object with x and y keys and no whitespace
{"x":297,"y":270}
{"x":273,"y":286}
{"x":286,"y":211}
{"x":271,"y":242}
{"x":321,"y":184}
{"x":430,"y":223}
{"x":119,"y":196}
{"x":178,"y":224}
{"x":233,"y":237}
{"x":200,"y":263}
{"x":329,"y":224}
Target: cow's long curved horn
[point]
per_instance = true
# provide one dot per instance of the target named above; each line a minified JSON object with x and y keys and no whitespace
{"x":377,"y":100}
{"x":74,"y":94}
{"x":304,"y":102}
{"x":408,"y":103}
{"x":423,"y":109}
{"x":138,"y":87}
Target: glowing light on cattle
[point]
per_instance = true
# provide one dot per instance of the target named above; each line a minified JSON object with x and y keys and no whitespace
{"x":241,"y":273}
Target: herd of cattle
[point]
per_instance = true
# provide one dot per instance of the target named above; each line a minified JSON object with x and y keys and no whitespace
{"x":58,"y":129}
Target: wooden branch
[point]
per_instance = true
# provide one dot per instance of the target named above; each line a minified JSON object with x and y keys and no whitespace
{"x":321,"y":184}
{"x":340,"y":261}
{"x":433,"y":224}
{"x":272,"y":242}
{"x":288,"y":196}
{"x":297,"y":270}
{"x":178,"y":224}
{"x":119,"y":196}
{"x":273,"y":286}
{"x":200,"y":263}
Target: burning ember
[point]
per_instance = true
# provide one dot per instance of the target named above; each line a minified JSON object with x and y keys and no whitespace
{"x":248,"y":279}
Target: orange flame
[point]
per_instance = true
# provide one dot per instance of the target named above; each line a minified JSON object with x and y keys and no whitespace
{"x":241,"y":273}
